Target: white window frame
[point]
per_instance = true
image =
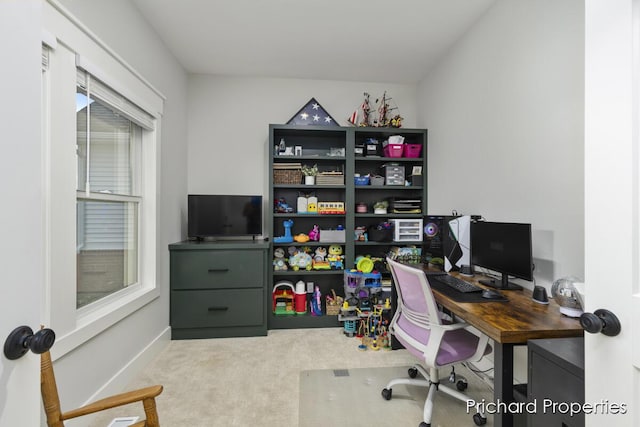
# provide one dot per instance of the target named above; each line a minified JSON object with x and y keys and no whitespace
{"x":76,"y":45}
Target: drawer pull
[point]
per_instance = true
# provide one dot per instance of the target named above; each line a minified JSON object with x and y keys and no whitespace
{"x":218,"y":308}
{"x":218,"y":270}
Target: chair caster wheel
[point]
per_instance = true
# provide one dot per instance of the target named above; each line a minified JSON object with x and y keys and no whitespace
{"x":479,"y":420}
{"x":462,"y":385}
{"x":413,"y":372}
{"x":386,"y":393}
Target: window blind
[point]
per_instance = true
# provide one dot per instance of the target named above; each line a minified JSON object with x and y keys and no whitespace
{"x":119,"y":103}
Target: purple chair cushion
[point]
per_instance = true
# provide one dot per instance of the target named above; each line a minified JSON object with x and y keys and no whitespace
{"x":456,"y":346}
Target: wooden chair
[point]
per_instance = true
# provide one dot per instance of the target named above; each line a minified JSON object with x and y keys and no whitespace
{"x":56,"y":418}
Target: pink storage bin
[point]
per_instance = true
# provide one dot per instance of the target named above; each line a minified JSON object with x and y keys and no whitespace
{"x":412,"y":150}
{"x":393,"y":150}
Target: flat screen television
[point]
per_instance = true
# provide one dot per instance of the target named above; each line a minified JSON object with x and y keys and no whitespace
{"x":210,"y":216}
{"x":505,"y":248}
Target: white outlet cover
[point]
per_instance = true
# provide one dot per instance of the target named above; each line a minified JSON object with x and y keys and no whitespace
{"x":123,"y":421}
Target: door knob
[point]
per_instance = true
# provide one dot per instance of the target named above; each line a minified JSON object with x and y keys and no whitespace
{"x":601,"y":321}
{"x":22,"y":339}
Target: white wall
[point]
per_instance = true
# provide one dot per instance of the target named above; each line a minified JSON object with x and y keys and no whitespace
{"x":110,"y":359}
{"x":229,"y":121}
{"x":504,"y":109}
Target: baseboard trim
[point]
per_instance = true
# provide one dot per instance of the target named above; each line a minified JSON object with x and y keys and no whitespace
{"x":123,"y":377}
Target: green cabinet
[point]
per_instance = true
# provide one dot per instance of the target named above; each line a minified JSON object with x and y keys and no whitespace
{"x":341,"y":153}
{"x":218,"y":289}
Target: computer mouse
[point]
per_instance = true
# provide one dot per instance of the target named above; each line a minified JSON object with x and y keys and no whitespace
{"x":491,"y":294}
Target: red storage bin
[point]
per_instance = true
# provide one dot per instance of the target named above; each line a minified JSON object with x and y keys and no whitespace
{"x":412,"y":150}
{"x":393,"y":150}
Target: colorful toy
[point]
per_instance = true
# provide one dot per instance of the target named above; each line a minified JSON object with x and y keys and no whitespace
{"x":335,"y":257}
{"x":330,"y":208}
{"x":301,"y":238}
{"x":349,"y":327}
{"x":321,"y":265}
{"x":360,"y":234}
{"x":319,"y":259}
{"x":316,"y":302}
{"x":279,"y":262}
{"x":287,"y":238}
{"x":281,"y":206}
{"x":372,"y":330}
{"x":300,"y":298}
{"x":320,"y":254}
{"x":300,"y":261}
{"x":333,"y":303}
{"x":312,"y":204}
{"x":360,"y":289}
{"x":282,"y":298}
{"x":314,"y":234}
{"x":364,"y":264}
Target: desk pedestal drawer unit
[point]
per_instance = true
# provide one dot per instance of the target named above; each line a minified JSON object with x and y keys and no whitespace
{"x":218,"y":289}
{"x":556,"y":375}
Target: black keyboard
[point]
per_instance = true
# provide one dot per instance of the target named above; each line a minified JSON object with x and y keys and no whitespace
{"x":455,"y":283}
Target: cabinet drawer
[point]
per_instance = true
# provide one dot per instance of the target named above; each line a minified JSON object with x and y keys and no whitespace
{"x":217,"y":269}
{"x":206,"y":309}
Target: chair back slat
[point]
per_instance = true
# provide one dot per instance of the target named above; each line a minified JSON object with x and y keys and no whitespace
{"x":415,"y":299}
{"x":49,"y":390}
{"x":51,"y":400}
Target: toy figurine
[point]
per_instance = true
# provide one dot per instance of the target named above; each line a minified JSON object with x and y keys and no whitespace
{"x":316,"y":302}
{"x":319,"y":259}
{"x":320,"y":254}
{"x":312,"y":204}
{"x":287,"y":238}
{"x":314,"y":234}
{"x":335,"y":257}
{"x":279,"y":263}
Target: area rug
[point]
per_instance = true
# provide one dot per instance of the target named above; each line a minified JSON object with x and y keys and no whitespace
{"x":351,"y":397}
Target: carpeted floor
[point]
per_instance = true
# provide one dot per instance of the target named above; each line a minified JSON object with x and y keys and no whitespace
{"x":256,"y":381}
{"x":353,"y":397}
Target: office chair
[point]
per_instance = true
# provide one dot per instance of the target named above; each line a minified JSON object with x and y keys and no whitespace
{"x":426,"y":333}
{"x":56,"y":418}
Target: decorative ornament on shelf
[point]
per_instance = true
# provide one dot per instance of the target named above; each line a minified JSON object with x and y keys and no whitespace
{"x":312,"y":114}
{"x":383,"y":110}
{"x":365,"y":109}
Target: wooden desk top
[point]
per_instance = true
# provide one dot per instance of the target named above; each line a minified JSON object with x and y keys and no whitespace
{"x":514,"y":321}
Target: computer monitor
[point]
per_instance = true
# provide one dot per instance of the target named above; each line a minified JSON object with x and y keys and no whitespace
{"x":505,"y":248}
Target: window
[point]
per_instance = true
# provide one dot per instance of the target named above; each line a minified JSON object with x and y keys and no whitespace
{"x":109,"y":145}
{"x":101,"y":146}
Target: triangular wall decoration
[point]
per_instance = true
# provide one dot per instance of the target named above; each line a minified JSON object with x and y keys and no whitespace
{"x":313,"y":114}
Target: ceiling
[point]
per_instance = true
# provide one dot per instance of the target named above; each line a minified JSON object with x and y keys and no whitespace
{"x":390,"y":41}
